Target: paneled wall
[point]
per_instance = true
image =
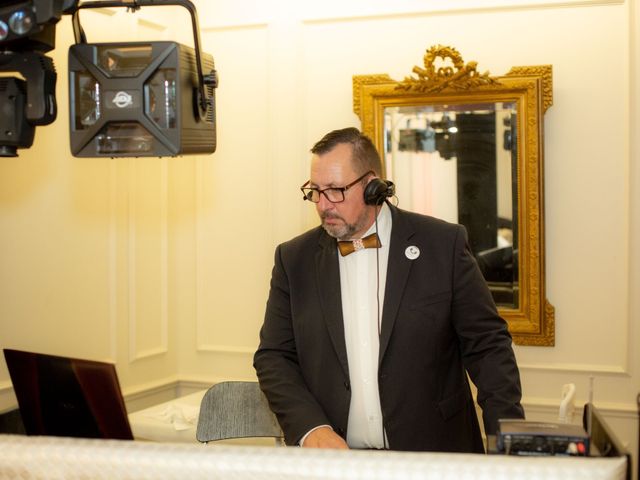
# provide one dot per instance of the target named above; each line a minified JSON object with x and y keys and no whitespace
{"x":162,"y":265}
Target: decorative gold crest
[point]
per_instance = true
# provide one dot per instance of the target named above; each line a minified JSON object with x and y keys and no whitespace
{"x":433,"y":78}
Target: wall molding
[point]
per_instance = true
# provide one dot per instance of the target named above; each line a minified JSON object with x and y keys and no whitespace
{"x":174,"y":386}
{"x":7,"y":397}
{"x":112,"y":301}
{"x":132,"y":243}
{"x":204,"y":347}
{"x":108,"y":11}
{"x":500,"y":6}
{"x":199,"y":190}
{"x":613,"y":370}
{"x":146,"y":23}
{"x":234,"y":26}
{"x":543,"y":405}
{"x":131,"y":260}
{"x":464,"y":10}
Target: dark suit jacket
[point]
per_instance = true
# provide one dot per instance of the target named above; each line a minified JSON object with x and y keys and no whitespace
{"x":438,"y":323}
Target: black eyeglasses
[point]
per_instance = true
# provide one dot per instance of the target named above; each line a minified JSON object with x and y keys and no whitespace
{"x":333,"y":194}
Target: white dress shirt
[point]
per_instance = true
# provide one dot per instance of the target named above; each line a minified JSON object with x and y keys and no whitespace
{"x":363,"y":276}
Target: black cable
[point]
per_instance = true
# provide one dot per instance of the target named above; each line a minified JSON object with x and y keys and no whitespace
{"x":378,"y":280}
{"x":78,"y":31}
{"x":384,"y":437}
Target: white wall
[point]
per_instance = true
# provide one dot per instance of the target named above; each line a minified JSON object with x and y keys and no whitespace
{"x":150,"y":262}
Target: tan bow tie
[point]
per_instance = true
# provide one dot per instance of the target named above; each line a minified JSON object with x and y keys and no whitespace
{"x":349,"y":246}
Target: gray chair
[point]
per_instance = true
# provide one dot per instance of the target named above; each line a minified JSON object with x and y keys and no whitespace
{"x":236,"y":410}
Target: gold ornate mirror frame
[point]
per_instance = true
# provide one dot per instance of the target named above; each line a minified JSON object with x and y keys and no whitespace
{"x":449,"y":87}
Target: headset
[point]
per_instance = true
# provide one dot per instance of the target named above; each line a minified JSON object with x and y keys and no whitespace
{"x":378,"y":190}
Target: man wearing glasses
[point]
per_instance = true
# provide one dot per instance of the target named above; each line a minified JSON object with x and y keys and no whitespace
{"x":375,"y":318}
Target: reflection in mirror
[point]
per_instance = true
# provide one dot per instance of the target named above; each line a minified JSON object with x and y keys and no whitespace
{"x":458,"y":163}
{"x":467,"y":147}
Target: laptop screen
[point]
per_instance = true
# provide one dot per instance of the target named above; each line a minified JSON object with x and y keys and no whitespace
{"x":68,"y":397}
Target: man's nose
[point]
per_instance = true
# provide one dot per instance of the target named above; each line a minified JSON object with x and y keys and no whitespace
{"x":324,"y":203}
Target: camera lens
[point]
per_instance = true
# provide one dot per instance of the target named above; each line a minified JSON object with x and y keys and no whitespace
{"x":21,"y":22}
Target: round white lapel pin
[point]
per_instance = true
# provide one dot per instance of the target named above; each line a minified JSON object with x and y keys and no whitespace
{"x":412,"y":252}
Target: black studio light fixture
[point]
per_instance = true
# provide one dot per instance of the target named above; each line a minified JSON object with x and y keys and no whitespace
{"x":140,"y":99}
{"x":125,"y":99}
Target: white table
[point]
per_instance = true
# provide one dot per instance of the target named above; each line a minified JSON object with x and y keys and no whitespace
{"x":172,"y":421}
{"x":38,"y":458}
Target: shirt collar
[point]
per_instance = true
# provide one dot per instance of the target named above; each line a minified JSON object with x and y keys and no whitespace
{"x":384,"y":225}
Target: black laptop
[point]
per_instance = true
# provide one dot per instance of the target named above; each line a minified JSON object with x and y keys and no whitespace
{"x":68,"y":397}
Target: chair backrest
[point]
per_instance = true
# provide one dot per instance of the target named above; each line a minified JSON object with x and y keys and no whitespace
{"x":236,"y":410}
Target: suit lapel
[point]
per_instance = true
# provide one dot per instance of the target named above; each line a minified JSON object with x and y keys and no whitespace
{"x":328,"y":284}
{"x":398,"y":269}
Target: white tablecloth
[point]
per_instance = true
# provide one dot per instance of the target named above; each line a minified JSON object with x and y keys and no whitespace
{"x":172,"y":421}
{"x":28,"y":458}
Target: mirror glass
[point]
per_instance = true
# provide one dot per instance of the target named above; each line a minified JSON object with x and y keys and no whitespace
{"x":458,"y":162}
{"x":467,"y":147}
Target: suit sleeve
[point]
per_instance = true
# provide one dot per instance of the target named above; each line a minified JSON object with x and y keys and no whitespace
{"x":277,"y":363}
{"x":485,"y":342}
